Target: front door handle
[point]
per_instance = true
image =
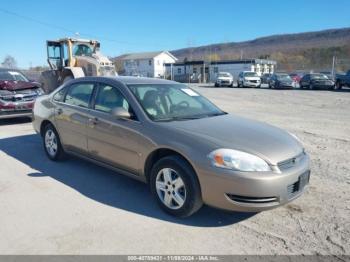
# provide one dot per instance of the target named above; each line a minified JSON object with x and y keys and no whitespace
{"x":93,"y":121}
{"x":59,"y":111}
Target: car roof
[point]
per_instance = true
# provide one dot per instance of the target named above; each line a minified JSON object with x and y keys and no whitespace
{"x":130,"y":80}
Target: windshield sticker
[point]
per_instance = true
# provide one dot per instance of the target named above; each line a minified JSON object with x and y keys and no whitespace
{"x":189,"y":92}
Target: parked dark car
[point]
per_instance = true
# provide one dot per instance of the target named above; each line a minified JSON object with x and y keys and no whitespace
{"x":342,"y":80}
{"x":329,"y":74}
{"x":17,"y":94}
{"x":314,"y":81}
{"x":265,"y":78}
{"x":281,"y":80}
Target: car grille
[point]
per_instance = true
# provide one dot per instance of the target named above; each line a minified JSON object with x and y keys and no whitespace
{"x":20,"y":96}
{"x":289,"y":163}
{"x":252,"y":200}
{"x":253,"y":81}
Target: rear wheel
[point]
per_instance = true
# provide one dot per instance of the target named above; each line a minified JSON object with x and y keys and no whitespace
{"x":52,"y":143}
{"x":175,"y":186}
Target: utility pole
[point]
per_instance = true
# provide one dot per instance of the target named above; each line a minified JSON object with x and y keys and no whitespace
{"x":333,"y":65}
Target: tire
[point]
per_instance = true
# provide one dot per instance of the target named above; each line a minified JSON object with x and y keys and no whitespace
{"x":338,"y":85}
{"x":52,"y":144}
{"x":259,"y":86}
{"x":182,"y":200}
{"x":216,"y":85}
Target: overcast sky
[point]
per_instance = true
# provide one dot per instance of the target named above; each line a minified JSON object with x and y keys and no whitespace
{"x":146,"y":25}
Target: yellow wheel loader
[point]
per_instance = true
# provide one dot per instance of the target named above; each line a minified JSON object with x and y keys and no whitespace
{"x":71,"y":58}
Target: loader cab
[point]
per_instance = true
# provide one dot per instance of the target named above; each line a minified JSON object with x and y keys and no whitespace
{"x":54,"y":55}
{"x":58,"y":54}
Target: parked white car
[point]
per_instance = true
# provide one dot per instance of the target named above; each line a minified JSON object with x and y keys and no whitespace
{"x":224,"y":79}
{"x":248,"y":79}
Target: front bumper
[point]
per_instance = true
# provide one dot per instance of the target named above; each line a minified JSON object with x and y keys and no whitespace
{"x":253,"y":191}
{"x":224,"y":83}
{"x":16,"y":109}
{"x":251,"y":84}
{"x":321,"y":86}
{"x":285,"y":86}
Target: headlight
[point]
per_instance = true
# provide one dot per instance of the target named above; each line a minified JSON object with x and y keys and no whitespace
{"x":40,"y":92}
{"x":238,"y":160}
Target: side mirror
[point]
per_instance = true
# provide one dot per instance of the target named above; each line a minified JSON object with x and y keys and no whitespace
{"x":121,"y":113}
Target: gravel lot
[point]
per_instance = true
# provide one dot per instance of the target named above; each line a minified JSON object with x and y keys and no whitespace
{"x":75,"y":207}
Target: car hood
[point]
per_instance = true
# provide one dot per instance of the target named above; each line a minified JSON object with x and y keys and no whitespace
{"x":224,"y":78}
{"x":229,"y":131}
{"x":251,"y":78}
{"x":16,"y":85}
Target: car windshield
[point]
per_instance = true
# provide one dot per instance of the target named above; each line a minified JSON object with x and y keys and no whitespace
{"x":283,"y":77}
{"x":224,"y":75}
{"x":173,"y":102}
{"x":319,"y":76}
{"x":12,"y":76}
{"x":250,"y":74}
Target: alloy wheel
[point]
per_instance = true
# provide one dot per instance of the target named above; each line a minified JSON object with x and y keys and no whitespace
{"x":170,"y":188}
{"x":51,"y":143}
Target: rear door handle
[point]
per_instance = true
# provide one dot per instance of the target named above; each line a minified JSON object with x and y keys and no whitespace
{"x":59,"y":111}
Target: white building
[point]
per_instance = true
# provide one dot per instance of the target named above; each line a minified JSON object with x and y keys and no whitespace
{"x":260,"y":66}
{"x":150,"y":64}
{"x":192,"y":71}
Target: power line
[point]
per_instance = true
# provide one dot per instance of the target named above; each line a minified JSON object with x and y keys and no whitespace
{"x":62,"y":28}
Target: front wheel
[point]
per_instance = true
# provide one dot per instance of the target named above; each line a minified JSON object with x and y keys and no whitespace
{"x":175,"y":186}
{"x":52,"y":143}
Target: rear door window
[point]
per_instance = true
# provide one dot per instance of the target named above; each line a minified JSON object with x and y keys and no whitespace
{"x":79,"y":94}
{"x":108,"y":98}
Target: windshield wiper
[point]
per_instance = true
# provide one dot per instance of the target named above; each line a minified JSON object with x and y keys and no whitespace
{"x":183,"y":118}
{"x":216,"y":114}
{"x":179,"y":118}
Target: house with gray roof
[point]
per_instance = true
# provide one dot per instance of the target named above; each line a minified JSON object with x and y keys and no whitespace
{"x":148,"y":64}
